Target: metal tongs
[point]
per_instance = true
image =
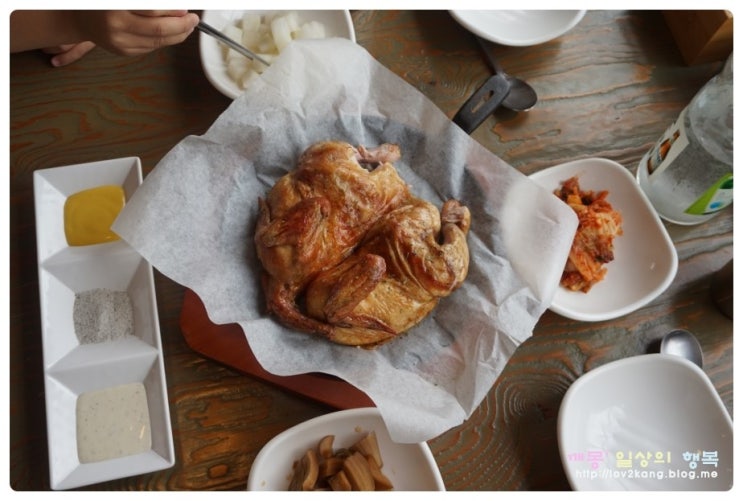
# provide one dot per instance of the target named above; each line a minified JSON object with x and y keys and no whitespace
{"x":501,"y":89}
{"x":209,"y":30}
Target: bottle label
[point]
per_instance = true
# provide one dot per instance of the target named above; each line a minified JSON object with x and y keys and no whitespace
{"x":668,"y":147}
{"x":719,"y":196}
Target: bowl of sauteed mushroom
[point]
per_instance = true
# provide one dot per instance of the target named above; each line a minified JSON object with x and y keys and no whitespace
{"x":344,"y":450}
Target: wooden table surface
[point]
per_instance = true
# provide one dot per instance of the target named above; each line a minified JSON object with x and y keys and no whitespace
{"x":607,"y":89}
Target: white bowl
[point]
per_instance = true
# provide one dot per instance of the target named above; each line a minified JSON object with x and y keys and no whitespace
{"x":337,"y":23}
{"x":410,"y":467}
{"x":518,"y":27}
{"x":650,"y":422}
{"x":72,"y":368}
{"x":645,"y":260}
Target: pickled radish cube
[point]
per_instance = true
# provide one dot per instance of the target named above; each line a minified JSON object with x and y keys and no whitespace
{"x":311,"y":30}
{"x":250,"y":21}
{"x":233,"y":32}
{"x":267,"y":45}
{"x":246,"y":78}
{"x":293,"y":19}
{"x":232,"y":54}
{"x":236,"y":68}
{"x":281,"y":32}
{"x":251,"y":39}
{"x":259,"y":67}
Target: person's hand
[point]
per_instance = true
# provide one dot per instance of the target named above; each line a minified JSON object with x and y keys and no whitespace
{"x":70,"y":34}
{"x":69,"y":53}
{"x":135,"y":32}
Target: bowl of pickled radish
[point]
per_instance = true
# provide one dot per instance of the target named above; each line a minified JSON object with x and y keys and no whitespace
{"x":266,"y":33}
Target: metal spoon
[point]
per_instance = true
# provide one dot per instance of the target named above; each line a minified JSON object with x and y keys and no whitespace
{"x":522,"y":96}
{"x":682,"y":343}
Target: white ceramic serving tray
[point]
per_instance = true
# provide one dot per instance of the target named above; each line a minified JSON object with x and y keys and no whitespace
{"x":337,"y":23}
{"x":645,"y":260}
{"x":410,"y":467}
{"x":71,"y":368}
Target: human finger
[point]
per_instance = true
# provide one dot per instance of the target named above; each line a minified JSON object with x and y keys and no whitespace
{"x":160,"y":13}
{"x":58,"y":49}
{"x":146,"y":32}
{"x":74,"y":53}
{"x":166,"y":24}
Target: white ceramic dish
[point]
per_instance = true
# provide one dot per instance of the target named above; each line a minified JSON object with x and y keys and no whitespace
{"x":518,"y":27}
{"x":72,"y":368}
{"x":337,"y":23}
{"x":645,"y":260}
{"x":650,"y":422}
{"x":410,"y":467}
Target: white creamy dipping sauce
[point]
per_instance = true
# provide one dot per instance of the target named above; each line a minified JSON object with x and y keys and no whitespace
{"x":112,"y":422}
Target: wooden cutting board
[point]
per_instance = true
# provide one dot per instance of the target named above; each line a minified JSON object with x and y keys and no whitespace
{"x":227,"y":344}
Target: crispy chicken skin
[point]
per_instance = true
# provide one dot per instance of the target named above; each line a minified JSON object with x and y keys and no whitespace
{"x":410,"y":258}
{"x":349,"y":254}
{"x":316,"y":215}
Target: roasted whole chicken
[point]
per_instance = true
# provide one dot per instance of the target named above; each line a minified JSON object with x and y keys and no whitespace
{"x":348,"y":253}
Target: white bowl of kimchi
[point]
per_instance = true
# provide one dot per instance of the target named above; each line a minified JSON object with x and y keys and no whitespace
{"x":644,"y":260}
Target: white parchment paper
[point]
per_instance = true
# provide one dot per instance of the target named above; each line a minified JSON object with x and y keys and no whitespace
{"x":193,"y":219}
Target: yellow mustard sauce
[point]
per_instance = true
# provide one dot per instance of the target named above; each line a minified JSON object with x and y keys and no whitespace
{"x":89,"y":214}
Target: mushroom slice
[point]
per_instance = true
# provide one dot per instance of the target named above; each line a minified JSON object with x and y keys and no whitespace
{"x":339,"y":482}
{"x":356,"y":469}
{"x":325,"y":446}
{"x":329,"y":467}
{"x":381,"y":482}
{"x":369,"y":447}
{"x":305,"y":472}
